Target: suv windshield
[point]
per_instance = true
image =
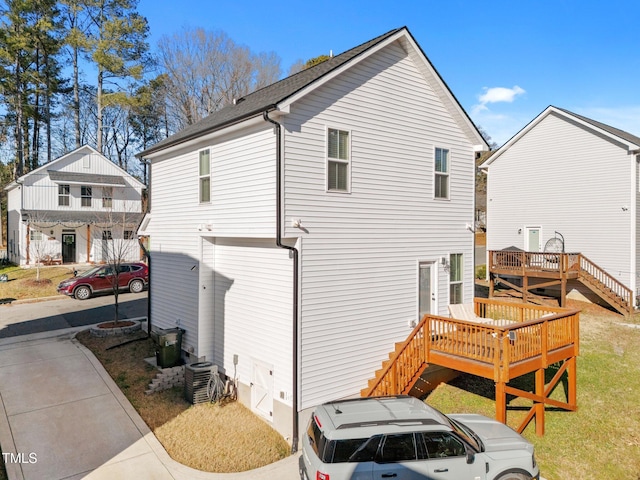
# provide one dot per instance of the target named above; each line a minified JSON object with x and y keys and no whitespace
{"x":88,"y":273}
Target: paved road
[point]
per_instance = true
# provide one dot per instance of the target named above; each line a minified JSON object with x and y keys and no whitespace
{"x":25,"y":318}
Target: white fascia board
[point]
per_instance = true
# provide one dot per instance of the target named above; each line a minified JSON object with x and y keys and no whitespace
{"x":208,"y":137}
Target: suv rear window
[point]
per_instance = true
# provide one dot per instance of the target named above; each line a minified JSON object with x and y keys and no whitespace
{"x":342,"y":451}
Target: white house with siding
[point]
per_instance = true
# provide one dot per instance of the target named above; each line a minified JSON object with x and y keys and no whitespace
{"x":568,"y":174}
{"x":301,"y":231}
{"x":63,"y":211}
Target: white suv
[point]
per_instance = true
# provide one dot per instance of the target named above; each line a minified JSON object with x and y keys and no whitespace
{"x":402,"y":438}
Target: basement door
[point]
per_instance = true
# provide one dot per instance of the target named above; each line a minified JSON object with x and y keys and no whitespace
{"x":262,"y":389}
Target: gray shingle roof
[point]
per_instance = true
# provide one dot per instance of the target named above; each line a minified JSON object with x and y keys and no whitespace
{"x":607,"y":128}
{"x":46,"y":217}
{"x":265,"y":98}
{"x":85,"y":178}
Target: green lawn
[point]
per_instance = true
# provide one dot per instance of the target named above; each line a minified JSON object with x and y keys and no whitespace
{"x":24,"y":282}
{"x":601,"y":439}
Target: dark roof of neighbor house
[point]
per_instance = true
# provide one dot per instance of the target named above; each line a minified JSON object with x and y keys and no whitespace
{"x":607,"y":128}
{"x":85,"y":178}
{"x":45,"y":218}
{"x":266,"y":97}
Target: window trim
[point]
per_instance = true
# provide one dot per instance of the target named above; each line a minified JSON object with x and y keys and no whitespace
{"x":202,"y":176}
{"x":107,"y":200}
{"x":84,"y":196}
{"x":342,"y":161}
{"x":456,"y":282}
{"x":64,"y":196}
{"x":446,"y":174}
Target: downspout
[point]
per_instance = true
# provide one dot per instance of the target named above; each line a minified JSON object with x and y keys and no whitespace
{"x":294,"y":252}
{"x":146,"y":252}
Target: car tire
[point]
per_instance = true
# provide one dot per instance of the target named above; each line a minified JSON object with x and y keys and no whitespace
{"x":513,"y":476}
{"x":136,"y":286}
{"x":82,"y":292}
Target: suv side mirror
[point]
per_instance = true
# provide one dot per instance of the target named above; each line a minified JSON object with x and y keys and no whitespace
{"x":471,"y":457}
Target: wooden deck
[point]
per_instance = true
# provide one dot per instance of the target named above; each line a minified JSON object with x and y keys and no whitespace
{"x":521,"y":339}
{"x":544,"y":269}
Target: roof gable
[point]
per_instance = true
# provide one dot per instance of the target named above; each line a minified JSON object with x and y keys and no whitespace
{"x":87,"y":150}
{"x":280,"y":95}
{"x":631,"y":141}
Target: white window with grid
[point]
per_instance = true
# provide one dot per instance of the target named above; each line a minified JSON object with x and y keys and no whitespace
{"x":205,"y":176}
{"x":338,"y":160}
{"x":441,"y":177}
{"x":455,"y":278}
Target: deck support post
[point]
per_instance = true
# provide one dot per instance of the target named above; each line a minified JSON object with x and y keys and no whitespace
{"x":572,"y":382}
{"x":501,"y":402}
{"x":491,"y":284}
{"x":525,"y":287}
{"x":539,"y":407}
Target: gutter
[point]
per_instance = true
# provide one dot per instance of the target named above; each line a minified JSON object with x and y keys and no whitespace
{"x":295,"y":253}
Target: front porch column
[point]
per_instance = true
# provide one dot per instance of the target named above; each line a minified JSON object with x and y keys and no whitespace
{"x":88,"y":243}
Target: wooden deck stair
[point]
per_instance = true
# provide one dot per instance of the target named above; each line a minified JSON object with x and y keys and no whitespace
{"x":557,"y":269}
{"x":612,"y":291}
{"x":507,"y":340}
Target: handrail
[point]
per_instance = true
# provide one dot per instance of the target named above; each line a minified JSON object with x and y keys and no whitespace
{"x":519,"y":332}
{"x":599,"y":274}
{"x":520,"y":263}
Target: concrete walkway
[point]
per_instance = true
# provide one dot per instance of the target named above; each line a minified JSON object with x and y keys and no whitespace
{"x":63,"y":417}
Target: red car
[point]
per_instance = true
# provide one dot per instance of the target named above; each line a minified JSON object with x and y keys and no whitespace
{"x":133,"y":277}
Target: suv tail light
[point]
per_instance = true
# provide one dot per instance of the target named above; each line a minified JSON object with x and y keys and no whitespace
{"x":322,"y":476}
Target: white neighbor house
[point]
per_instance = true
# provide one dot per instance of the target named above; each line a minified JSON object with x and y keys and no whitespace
{"x":304,"y":229}
{"x":569,"y":174}
{"x":64,"y":209}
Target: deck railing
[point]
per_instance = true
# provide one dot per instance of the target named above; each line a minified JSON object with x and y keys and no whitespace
{"x":593,"y":271}
{"x":518,"y":261}
{"x":565,"y":266}
{"x":519,"y":332}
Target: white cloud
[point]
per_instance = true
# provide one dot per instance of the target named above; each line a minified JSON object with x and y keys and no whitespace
{"x":496,"y":95}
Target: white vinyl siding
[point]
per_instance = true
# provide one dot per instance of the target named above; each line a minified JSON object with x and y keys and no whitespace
{"x":562,"y":177}
{"x":253,"y":303}
{"x":360,"y":252}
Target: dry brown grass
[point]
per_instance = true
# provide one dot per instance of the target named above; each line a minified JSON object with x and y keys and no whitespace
{"x":22,"y":282}
{"x":206,"y":437}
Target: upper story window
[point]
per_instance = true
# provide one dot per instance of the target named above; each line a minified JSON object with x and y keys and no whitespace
{"x":338,"y":160}
{"x":129,"y":235}
{"x":455,"y":278}
{"x":107,"y":197}
{"x":441,"y":180}
{"x":63,"y":195}
{"x":86,"y":193}
{"x":205,"y":177}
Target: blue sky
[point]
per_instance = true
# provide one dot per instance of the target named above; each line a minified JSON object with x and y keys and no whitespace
{"x":505,"y":61}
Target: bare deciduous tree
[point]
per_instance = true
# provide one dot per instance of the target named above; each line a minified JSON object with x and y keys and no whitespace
{"x":206,"y":70}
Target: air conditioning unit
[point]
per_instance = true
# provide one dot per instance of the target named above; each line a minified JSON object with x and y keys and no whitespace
{"x":196,"y":381}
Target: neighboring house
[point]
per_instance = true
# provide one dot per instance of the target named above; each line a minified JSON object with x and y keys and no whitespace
{"x":72,"y":209}
{"x":297,"y":234}
{"x":568,"y":177}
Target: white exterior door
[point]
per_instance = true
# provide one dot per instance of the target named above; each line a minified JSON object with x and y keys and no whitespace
{"x":533,"y":239}
{"x":427,"y":289}
{"x":262,"y":389}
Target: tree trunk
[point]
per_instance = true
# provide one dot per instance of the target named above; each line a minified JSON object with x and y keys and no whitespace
{"x":76,"y":96}
{"x":99,"y":111}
